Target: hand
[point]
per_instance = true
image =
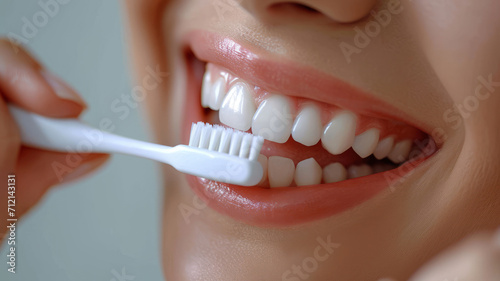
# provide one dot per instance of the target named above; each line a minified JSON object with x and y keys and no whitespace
{"x":25,"y":83}
{"x":477,"y":258}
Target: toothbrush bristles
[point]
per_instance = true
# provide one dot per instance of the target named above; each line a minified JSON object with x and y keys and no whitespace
{"x":205,"y":136}
{"x":225,"y":140}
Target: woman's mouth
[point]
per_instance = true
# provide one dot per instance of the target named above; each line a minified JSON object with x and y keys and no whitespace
{"x":329,"y":146}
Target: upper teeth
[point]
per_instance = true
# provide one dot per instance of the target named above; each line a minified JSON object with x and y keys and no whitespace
{"x":307,"y":128}
{"x":365,"y":143}
{"x":276,"y":120}
{"x":273,"y":119}
{"x":339,"y":133}
{"x":237,"y":107}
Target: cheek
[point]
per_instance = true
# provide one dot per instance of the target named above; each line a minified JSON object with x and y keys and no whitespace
{"x":461,"y":39}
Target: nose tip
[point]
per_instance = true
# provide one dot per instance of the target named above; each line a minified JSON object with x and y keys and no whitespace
{"x":343,"y":11}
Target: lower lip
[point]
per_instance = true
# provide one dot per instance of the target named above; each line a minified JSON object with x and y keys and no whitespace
{"x":294,"y":205}
{"x":287,"y":206}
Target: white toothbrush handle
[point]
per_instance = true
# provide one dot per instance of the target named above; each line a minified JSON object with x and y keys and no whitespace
{"x":72,"y":135}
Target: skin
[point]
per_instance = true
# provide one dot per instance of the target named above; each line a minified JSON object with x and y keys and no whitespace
{"x":451,"y":196}
{"x":433,"y":53}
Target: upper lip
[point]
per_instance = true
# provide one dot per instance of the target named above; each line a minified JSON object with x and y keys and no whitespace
{"x":292,"y":79}
{"x":288,"y":206}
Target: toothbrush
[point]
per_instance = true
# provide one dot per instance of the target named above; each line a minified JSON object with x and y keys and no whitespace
{"x":214,"y":152}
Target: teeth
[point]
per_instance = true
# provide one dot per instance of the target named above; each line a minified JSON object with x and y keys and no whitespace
{"x":206,"y":89}
{"x":400,"y":151}
{"x":217,"y":94}
{"x":365,"y":143}
{"x":280,"y":171}
{"x":338,"y":135}
{"x":263,"y":161}
{"x":308,"y":172}
{"x":273,"y":119}
{"x":355,"y":171}
{"x":212,"y":94}
{"x":334,"y":172}
{"x":307,"y":126}
{"x":238,"y":107}
{"x":384,"y":148}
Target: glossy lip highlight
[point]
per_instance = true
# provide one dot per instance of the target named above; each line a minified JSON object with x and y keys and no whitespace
{"x":285,"y":206}
{"x":291,"y":79}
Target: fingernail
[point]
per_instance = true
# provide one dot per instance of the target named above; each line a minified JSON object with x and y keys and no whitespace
{"x":82,"y":170}
{"x":62,"y":89}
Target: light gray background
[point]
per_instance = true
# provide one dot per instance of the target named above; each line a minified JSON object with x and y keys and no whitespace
{"x":110,"y":221}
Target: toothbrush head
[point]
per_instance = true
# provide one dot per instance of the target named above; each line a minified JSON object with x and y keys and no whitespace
{"x":223,"y":155}
{"x":225,"y":140}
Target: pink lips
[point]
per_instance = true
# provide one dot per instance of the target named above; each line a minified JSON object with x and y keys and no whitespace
{"x":286,"y":206}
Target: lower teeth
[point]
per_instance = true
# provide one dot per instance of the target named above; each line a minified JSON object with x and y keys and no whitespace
{"x":282,"y":172}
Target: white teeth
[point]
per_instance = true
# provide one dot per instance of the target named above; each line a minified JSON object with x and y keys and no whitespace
{"x":334,"y":172}
{"x":214,"y":100}
{"x":206,"y":88}
{"x":273,"y":119}
{"x":280,"y":171}
{"x":365,"y":143}
{"x":355,"y":171}
{"x":338,"y":135}
{"x":400,"y":151}
{"x":263,"y":161}
{"x":307,"y":127}
{"x":308,"y":172}
{"x":212,"y":94}
{"x":383,"y":148}
{"x":238,"y":107}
